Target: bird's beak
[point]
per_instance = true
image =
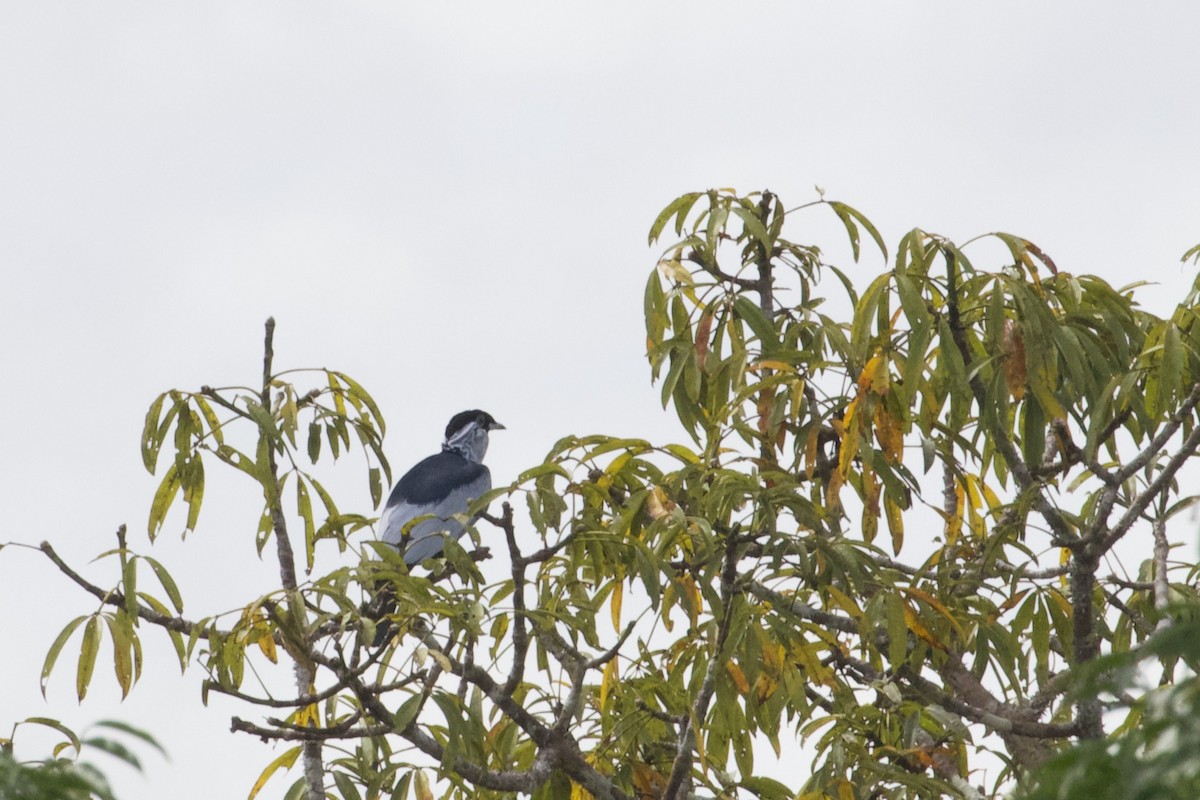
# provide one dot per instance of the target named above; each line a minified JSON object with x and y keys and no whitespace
{"x":496,"y":426}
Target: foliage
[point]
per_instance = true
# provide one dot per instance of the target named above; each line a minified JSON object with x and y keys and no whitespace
{"x":1156,"y":753}
{"x":64,"y":775}
{"x":671,"y":606}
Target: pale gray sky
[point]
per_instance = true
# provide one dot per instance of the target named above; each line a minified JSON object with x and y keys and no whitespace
{"x":450,"y":202}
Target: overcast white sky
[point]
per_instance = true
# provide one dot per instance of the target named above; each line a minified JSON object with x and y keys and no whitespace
{"x":449,"y":201}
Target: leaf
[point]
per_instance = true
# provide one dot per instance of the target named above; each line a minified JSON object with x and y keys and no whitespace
{"x":739,"y":677}
{"x":376,"y":483}
{"x":266,"y":643}
{"x":767,"y":788}
{"x":345,"y":785}
{"x":849,"y":217}
{"x":763,"y":328}
{"x":1014,"y":360}
{"x":151,"y":442}
{"x":421,"y":785}
{"x":407,"y":712}
{"x":618,"y":593}
{"x":122,"y":649}
{"x":163,"y":498}
{"x":678,"y":208}
{"x":168,"y":583}
{"x":87,"y":656}
{"x":193,"y":492}
{"x":304,"y":509}
{"x":357,"y":392}
{"x":754,"y":226}
{"x":284,"y":761}
{"x":648,"y":781}
{"x":56,"y":725}
{"x":895,"y":521}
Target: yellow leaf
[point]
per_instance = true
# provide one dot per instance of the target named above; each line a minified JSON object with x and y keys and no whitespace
{"x":954,"y":523}
{"x":850,"y":434}
{"x":608,"y":680}
{"x":765,"y":686}
{"x":284,"y":761}
{"x":618,"y":594}
{"x":309,"y":715}
{"x":422,"y":785}
{"x":694,"y":600}
{"x":843,"y":601}
{"x":867,"y":377}
{"x":769,"y":363}
{"x":266,"y":643}
{"x":895,"y":520}
{"x":889,"y":432}
{"x":580,"y":793}
{"x":936,"y":605}
{"x":916,"y":626}
{"x":845,"y":790}
{"x":739,"y":677}
{"x":773,"y":653}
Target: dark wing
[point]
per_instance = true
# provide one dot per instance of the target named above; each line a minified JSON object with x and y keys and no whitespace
{"x":437,"y":488}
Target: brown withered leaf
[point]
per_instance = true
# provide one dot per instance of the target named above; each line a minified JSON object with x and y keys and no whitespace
{"x":1014,"y":360}
{"x":703,"y":335}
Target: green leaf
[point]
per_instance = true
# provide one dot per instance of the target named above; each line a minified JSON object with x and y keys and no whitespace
{"x":163,"y":498}
{"x":753,"y":226}
{"x":849,"y":217}
{"x":767,"y":788}
{"x":407,"y":712}
{"x":756,"y":318}
{"x":56,"y":648}
{"x":122,"y":654}
{"x":304,"y":508}
{"x":376,"y":483}
{"x":168,"y":583}
{"x":56,"y":725}
{"x":150,"y":438}
{"x":87,"y":656}
{"x":678,"y":208}
{"x":210,"y":417}
{"x":193,"y":492}
{"x":345,"y":785}
{"x":357,"y":392}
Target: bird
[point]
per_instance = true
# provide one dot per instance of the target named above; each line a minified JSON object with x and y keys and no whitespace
{"x":438,"y":488}
{"x":419,"y":514}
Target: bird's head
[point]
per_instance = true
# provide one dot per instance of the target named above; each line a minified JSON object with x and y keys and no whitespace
{"x":467,"y":434}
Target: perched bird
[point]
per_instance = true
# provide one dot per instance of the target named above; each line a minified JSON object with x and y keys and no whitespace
{"x":419,"y":513}
{"x":438,"y":488}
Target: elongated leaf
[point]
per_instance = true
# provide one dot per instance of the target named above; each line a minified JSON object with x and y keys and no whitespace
{"x":852,"y":218}
{"x":87,"y":656}
{"x":304,"y":508}
{"x":678,"y":208}
{"x":56,"y":725}
{"x":284,"y":761}
{"x":56,"y":648}
{"x":150,"y":439}
{"x":163,"y":498}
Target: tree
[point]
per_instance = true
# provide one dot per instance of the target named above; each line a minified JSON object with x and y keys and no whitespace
{"x":65,"y":775}
{"x":1013,"y":429}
